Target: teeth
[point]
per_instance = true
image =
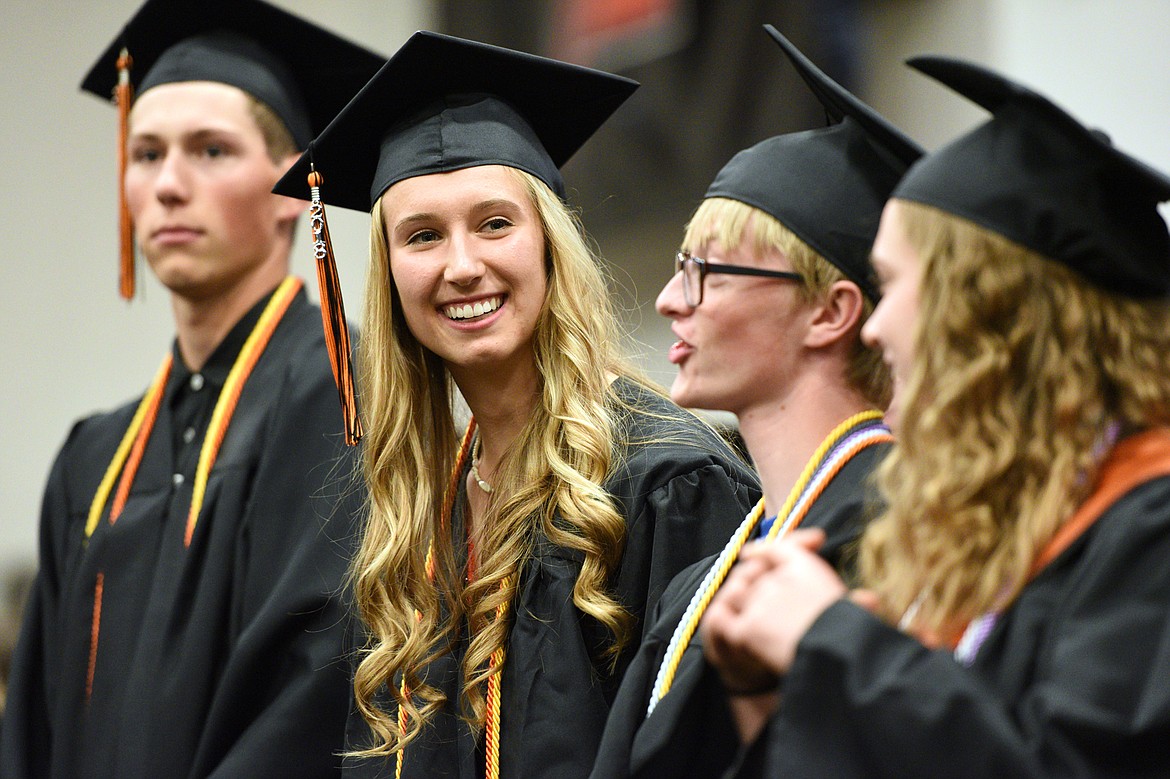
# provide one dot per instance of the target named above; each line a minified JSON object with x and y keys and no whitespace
{"x":468,"y":311}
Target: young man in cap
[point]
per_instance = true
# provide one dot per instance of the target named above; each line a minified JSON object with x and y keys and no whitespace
{"x":768,"y":299}
{"x":186,"y":618}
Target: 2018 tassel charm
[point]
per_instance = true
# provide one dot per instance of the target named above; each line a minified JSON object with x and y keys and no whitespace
{"x":333,"y":312}
{"x":123,"y":96}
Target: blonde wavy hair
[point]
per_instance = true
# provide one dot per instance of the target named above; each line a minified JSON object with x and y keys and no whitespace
{"x":1023,"y":372}
{"x":553,"y":469}
{"x":726,"y":221}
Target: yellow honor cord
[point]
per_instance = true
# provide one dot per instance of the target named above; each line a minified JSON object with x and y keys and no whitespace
{"x":157,"y":387}
{"x":225,"y":406}
{"x":714,"y":580}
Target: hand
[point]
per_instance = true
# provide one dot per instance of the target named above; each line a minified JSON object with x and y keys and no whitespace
{"x":754,"y":623}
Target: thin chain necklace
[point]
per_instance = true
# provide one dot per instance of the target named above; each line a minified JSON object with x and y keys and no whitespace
{"x":858,"y":432}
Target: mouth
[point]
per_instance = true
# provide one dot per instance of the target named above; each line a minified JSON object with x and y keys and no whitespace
{"x":680,"y":350}
{"x":175,"y":234}
{"x":466,"y":312}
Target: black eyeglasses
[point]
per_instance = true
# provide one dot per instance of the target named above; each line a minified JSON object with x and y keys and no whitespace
{"x":695,"y":269}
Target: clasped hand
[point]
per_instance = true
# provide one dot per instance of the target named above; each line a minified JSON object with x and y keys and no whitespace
{"x":768,"y":602}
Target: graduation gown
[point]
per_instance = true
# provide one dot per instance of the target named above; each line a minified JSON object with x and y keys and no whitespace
{"x":682,"y":492}
{"x":1073,"y":680}
{"x":222,"y":659}
{"x":691,"y":732}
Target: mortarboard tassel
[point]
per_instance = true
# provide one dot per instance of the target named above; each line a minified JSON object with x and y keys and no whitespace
{"x":123,"y":95}
{"x":333,"y":312}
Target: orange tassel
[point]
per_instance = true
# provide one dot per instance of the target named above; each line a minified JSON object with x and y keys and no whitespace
{"x":333,"y":312}
{"x":123,"y":95}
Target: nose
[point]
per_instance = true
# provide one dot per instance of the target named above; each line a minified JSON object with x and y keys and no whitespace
{"x":871,"y":330}
{"x":171,"y":186}
{"x":464,"y":267}
{"x":671,"y":302}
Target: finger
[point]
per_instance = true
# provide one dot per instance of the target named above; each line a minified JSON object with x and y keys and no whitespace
{"x":767,"y":554}
{"x":809,"y":538}
{"x":866,"y":599}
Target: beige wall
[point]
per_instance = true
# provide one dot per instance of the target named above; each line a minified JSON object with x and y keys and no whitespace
{"x":69,"y":346}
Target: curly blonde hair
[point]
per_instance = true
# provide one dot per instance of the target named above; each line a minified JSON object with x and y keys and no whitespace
{"x":553,"y":469}
{"x":1023,"y":371}
{"x":726,"y":221}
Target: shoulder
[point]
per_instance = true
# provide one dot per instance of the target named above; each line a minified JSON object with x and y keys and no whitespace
{"x":298,"y":361}
{"x":853,"y":488}
{"x":98,"y":435}
{"x":87,"y":451}
{"x":661,"y":441}
{"x":300,"y":336}
{"x":1134,"y":527}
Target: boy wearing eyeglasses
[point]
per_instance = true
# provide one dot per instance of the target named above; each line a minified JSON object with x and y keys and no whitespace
{"x":769,"y":294}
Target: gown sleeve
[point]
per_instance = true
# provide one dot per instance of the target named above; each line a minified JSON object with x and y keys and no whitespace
{"x":1072,"y":682}
{"x":26,"y":740}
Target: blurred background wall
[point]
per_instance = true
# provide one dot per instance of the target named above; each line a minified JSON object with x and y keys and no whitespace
{"x":713,"y":84}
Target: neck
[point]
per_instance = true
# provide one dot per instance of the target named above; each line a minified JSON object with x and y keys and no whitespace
{"x":202,"y":323}
{"x":502,"y":405}
{"x":783,"y":433}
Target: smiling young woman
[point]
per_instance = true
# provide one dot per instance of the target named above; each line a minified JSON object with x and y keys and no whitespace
{"x":507,"y":565}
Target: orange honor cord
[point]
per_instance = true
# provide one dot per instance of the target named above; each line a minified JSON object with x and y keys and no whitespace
{"x":133,"y":440}
{"x":123,"y":96}
{"x":1133,"y":461}
{"x":333,"y":312}
{"x":95,"y":625}
{"x":856,"y":433}
{"x":225,"y":407}
{"x":494,"y":715}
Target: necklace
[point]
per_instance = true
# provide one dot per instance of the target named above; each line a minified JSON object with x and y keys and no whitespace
{"x":483,"y":485}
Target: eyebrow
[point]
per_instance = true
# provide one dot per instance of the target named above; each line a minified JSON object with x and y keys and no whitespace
{"x":413,"y":219}
{"x":483,"y":205}
{"x":198,"y":135}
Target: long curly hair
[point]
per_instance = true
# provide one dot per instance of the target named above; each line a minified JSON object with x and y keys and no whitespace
{"x":727,"y":221}
{"x":554,"y":468}
{"x":1023,"y":374}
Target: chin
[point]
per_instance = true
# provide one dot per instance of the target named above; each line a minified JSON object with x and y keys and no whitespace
{"x":893,"y":418}
{"x":687,"y":396}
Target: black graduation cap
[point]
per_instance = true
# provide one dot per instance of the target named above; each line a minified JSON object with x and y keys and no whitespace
{"x":303,"y":72}
{"x":828,"y":185}
{"x":1035,"y":175}
{"x":443,"y":103}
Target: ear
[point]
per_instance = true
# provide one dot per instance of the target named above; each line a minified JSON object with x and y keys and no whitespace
{"x":290,"y":207}
{"x":837,"y":317}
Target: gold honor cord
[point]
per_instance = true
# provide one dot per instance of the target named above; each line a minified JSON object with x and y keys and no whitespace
{"x":494,"y":714}
{"x":843,"y":442}
{"x":147,"y":409}
{"x":229,"y":397}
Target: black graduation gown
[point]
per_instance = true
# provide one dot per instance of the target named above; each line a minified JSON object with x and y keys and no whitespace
{"x":222,"y":659}
{"x":1074,"y":680}
{"x":682,"y":496}
{"x":691,"y":732}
